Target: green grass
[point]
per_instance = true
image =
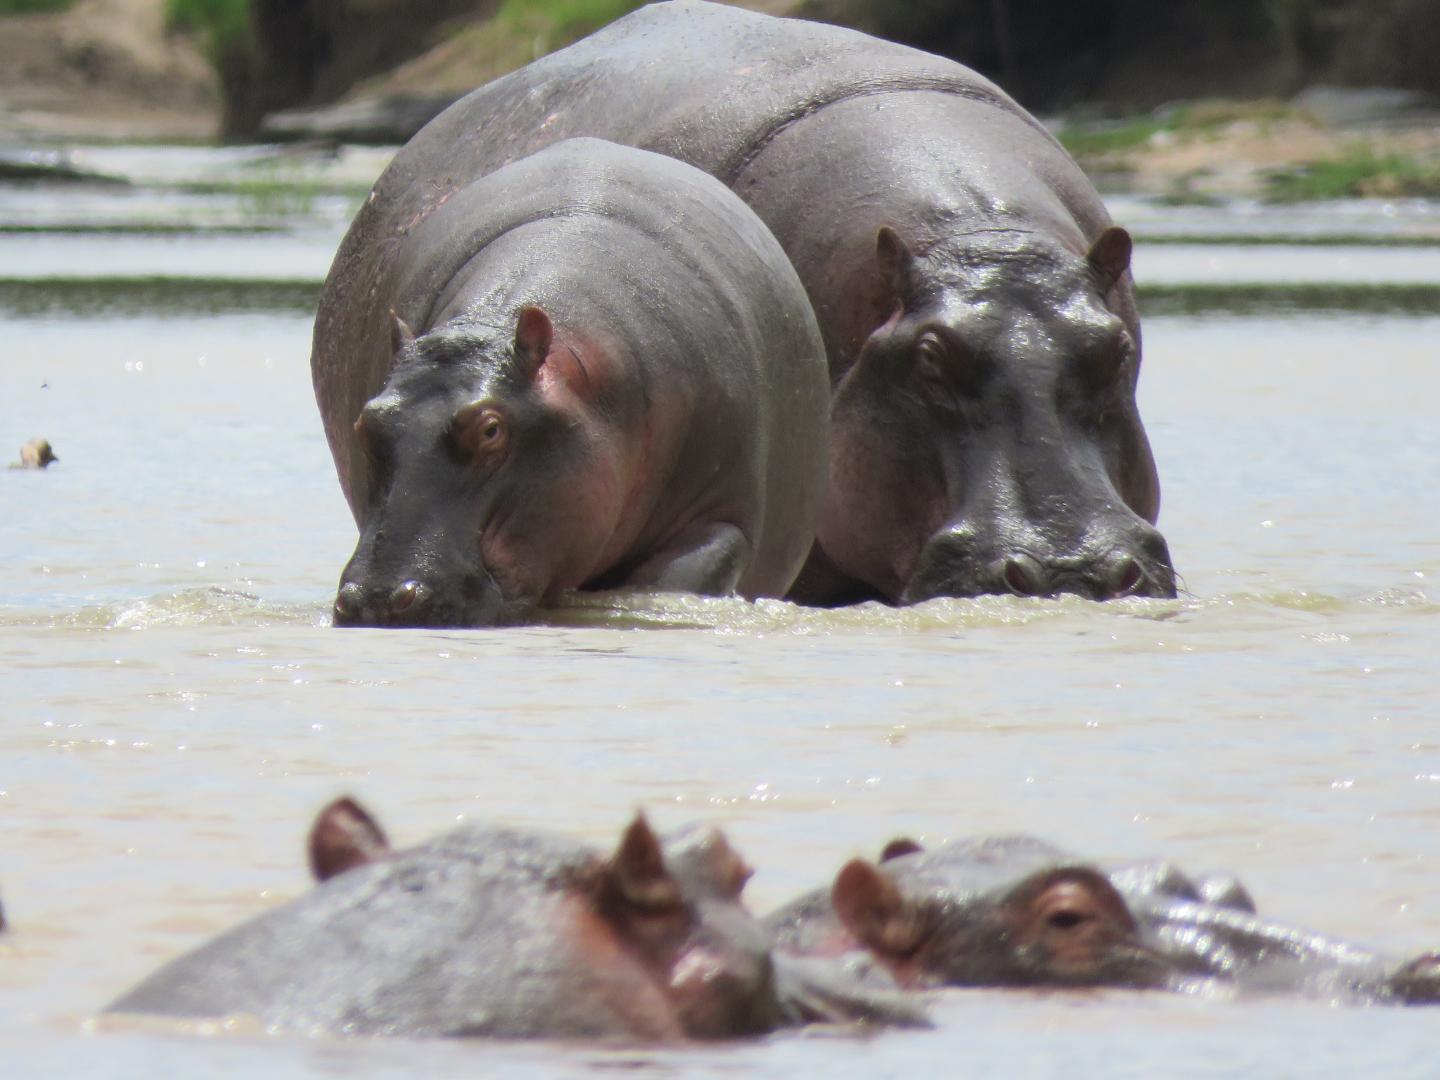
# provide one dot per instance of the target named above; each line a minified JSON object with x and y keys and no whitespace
{"x":1359,"y":172}
{"x":546,"y":25}
{"x":1194,"y":121}
{"x":217,"y":22}
{"x":28,"y":7}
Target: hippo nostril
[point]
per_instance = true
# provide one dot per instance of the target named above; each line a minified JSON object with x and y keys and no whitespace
{"x":406,"y":595}
{"x":1126,"y":575}
{"x":1022,"y":575}
{"x":347,"y":601}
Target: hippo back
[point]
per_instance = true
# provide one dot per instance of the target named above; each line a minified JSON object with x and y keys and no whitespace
{"x":707,"y":84}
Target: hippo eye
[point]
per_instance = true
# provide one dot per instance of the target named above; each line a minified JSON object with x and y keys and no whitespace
{"x":939,"y":371}
{"x":1066,"y":919}
{"x":479,"y":432}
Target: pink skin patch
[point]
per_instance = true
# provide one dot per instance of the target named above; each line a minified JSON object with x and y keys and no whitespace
{"x":560,"y":539}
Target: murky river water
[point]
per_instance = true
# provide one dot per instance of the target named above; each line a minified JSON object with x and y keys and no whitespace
{"x":176,"y":707}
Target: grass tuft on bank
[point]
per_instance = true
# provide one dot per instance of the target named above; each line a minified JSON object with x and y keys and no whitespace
{"x":32,"y":7}
{"x":218,"y":23}
{"x":1358,"y":172}
{"x":546,"y":25}
{"x":1105,"y":141}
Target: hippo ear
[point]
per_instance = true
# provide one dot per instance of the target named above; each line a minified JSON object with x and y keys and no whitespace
{"x":400,"y":333}
{"x":901,"y":845}
{"x":533,"y":334}
{"x":871,"y":908}
{"x":637,"y":869}
{"x":1110,"y":256}
{"x":343,"y":837}
{"x":895,"y":260}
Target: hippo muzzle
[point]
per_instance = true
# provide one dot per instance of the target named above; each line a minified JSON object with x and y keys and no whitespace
{"x":422,"y":591}
{"x":1130,"y":559}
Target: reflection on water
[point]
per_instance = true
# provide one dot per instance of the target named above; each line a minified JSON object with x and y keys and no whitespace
{"x":177,"y":706}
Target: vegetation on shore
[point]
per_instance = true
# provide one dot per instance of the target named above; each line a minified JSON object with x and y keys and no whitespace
{"x":1097,"y":142}
{"x":30,"y":7}
{"x":219,"y":23}
{"x":1359,"y":171}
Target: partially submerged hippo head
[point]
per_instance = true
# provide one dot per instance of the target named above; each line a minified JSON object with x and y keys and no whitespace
{"x":496,"y":932}
{"x":471,"y":468}
{"x":1016,"y":911}
{"x":1055,"y":925}
{"x":994,"y":414}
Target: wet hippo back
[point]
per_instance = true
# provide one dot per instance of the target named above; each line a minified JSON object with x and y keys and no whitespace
{"x":976,"y":306}
{"x":495,"y":932}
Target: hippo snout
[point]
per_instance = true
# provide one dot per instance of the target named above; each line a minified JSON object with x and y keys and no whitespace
{"x":1136,"y":562}
{"x":416,"y":602}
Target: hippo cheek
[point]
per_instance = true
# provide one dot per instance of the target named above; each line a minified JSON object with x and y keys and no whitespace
{"x":881,"y":505}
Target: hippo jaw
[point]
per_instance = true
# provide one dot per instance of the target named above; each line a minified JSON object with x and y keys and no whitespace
{"x":987,"y":438}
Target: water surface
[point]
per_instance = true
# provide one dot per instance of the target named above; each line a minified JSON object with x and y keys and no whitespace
{"x":177,"y":706}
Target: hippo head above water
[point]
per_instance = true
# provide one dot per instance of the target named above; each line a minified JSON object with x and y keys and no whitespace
{"x":1017,"y":911}
{"x":995,"y":413}
{"x":467,"y":455}
{"x":488,"y":931}
{"x":1057,"y":925}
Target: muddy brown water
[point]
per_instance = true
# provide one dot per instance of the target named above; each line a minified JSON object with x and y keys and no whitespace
{"x":176,"y":707}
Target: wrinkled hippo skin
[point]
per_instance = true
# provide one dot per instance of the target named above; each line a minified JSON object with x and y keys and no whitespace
{"x":598,"y":369}
{"x":975,"y":299}
{"x":508,"y":933}
{"x":1017,"y":911}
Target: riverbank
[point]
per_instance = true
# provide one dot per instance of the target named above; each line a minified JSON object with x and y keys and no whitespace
{"x":106,"y":70}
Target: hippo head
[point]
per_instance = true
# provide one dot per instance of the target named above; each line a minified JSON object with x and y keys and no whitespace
{"x":677,"y":906}
{"x":466,"y":453}
{"x":669,"y":908}
{"x":1055,"y":925}
{"x":994,"y":412}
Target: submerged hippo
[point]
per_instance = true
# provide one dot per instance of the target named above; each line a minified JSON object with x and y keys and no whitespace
{"x":509,"y":933}
{"x":1017,"y":911}
{"x":976,"y":302}
{"x":598,"y":369}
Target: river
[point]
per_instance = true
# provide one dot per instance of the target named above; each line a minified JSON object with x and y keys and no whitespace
{"x":177,"y":707}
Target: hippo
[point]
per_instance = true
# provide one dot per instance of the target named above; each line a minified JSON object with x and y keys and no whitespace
{"x":976,"y":301}
{"x":600,"y":371}
{"x":36,"y":454}
{"x":1018,"y":911}
{"x":509,"y":933}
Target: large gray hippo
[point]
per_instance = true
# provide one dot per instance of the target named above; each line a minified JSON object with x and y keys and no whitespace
{"x":509,"y":933}
{"x":591,"y":368}
{"x":976,"y":302}
{"x":1018,"y":911}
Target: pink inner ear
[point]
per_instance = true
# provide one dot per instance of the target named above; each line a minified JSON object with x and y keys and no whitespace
{"x":533,"y":335}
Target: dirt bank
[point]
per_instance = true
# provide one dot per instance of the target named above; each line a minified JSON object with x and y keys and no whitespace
{"x":103,"y":69}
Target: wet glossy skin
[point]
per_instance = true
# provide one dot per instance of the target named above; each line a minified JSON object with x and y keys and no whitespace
{"x":492,"y":932}
{"x":599,"y":371}
{"x":975,"y":301}
{"x":1017,"y":911}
